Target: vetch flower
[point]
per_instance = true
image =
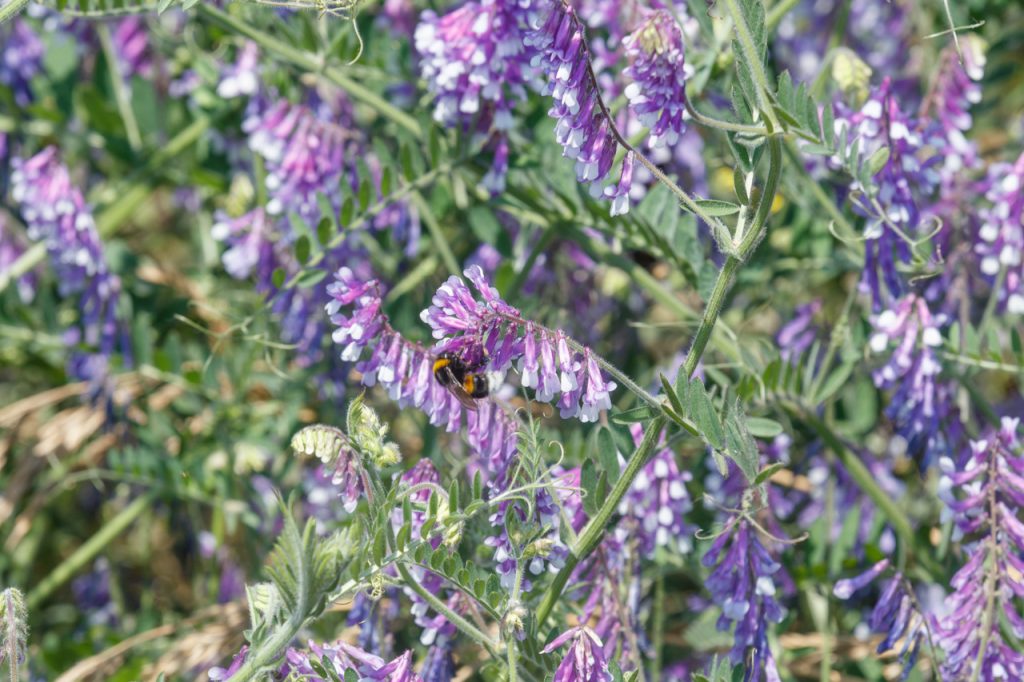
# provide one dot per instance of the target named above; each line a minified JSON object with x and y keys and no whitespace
{"x":21,"y":58}
{"x":583,"y":129}
{"x":797,"y":335}
{"x":658,"y":71}
{"x":984,"y":494}
{"x":921,"y":404}
{"x":405,"y":370}
{"x":742,"y":585}
{"x":585,"y":660}
{"x":1000,"y":242}
{"x":475,"y":62}
{"x":304,"y":155}
{"x":130,"y":38}
{"x":57,"y":215}
{"x":492,"y":334}
{"x":241,"y":79}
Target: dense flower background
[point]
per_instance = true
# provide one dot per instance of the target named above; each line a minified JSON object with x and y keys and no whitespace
{"x":740,"y":289}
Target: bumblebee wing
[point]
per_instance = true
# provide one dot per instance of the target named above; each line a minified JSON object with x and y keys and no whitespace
{"x":468,"y":401}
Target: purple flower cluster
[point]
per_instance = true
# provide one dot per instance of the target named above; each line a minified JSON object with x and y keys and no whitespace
{"x":895,"y":613}
{"x":475,"y":62}
{"x":241,"y":79}
{"x":21,"y":58}
{"x":131,"y":42}
{"x":304,"y":155}
{"x":405,"y":370}
{"x":1000,"y":244}
{"x":492,"y":333}
{"x":741,"y":583}
{"x":894,"y":210}
{"x":984,"y":494}
{"x":345,"y":657}
{"x":922,"y":403}
{"x":57,"y":215}
{"x":655,"y":507}
{"x":583,"y":129}
{"x":658,"y":70}
{"x":584,"y":661}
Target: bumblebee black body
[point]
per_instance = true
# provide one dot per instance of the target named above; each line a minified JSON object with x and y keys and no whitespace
{"x":467,"y":384}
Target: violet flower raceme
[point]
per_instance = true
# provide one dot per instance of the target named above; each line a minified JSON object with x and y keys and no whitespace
{"x":1000,"y":243}
{"x":742,"y":585}
{"x":490,"y":333}
{"x":345,"y":657}
{"x":984,"y":493}
{"x":405,"y":370}
{"x":475,"y":62}
{"x":583,"y":129}
{"x":658,"y":71}
{"x":908,"y":176}
{"x":21,"y":58}
{"x":585,"y":660}
{"x":797,"y":335}
{"x":304,"y":155}
{"x":57,"y":215}
{"x":895,"y":614}
{"x":922,"y":404}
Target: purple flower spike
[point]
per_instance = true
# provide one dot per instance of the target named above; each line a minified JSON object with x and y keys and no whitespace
{"x":21,"y":58}
{"x":585,"y":660}
{"x":659,"y":71}
{"x":921,"y":402}
{"x":582,"y":127}
{"x":475,"y":62}
{"x":57,"y":215}
{"x":845,"y":588}
{"x":490,"y":333}
{"x":304,"y":155}
{"x":1000,"y":244}
{"x":985,"y":493}
{"x":742,"y":585}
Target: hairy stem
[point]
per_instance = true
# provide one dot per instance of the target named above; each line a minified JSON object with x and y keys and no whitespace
{"x":594,"y":530}
{"x":753,"y":60}
{"x":11,"y":10}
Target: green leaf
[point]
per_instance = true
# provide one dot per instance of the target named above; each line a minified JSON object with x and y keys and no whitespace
{"x":163,"y":5}
{"x":876,"y":161}
{"x":835,"y":381}
{"x":637,"y":414}
{"x":302,"y":248}
{"x":767,"y":472}
{"x":741,"y":446}
{"x":348,"y":210}
{"x":701,"y":410}
{"x":607,"y":453}
{"x":324,"y":230}
{"x":588,"y":484}
{"x":278,"y":277}
{"x":670,"y":393}
{"x":760,"y":427}
{"x":715,"y":207}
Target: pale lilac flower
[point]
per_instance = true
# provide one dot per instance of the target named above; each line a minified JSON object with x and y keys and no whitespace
{"x":130,"y":38}
{"x":797,"y":335}
{"x":241,"y":79}
{"x":584,"y":661}
{"x":658,"y":71}
{"x":655,"y":507}
{"x":1000,"y":244}
{"x":922,"y":403}
{"x":250,"y":239}
{"x":493,"y":334}
{"x":21,"y":58}
{"x":217,"y":674}
{"x":334,"y":449}
{"x":405,"y":370}
{"x":895,"y":614}
{"x":475,"y":62}
{"x":743,"y":586}
{"x":582,"y":129}
{"x":438,"y":666}
{"x":908,"y":178}
{"x":984,"y":494}
{"x":57,"y":215}
{"x":304,"y":155}
{"x":344,"y":657}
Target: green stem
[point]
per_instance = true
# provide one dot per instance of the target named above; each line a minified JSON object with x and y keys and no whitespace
{"x":658,"y":625}
{"x":122,"y":97}
{"x":11,"y":10}
{"x":89,"y":549}
{"x":310,"y":63}
{"x":712,"y":122}
{"x":753,"y":60}
{"x":434,"y":228}
{"x":594,"y":530}
{"x":711,"y":313}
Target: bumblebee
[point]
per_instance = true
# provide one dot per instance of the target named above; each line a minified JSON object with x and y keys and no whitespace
{"x":464,"y":382}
